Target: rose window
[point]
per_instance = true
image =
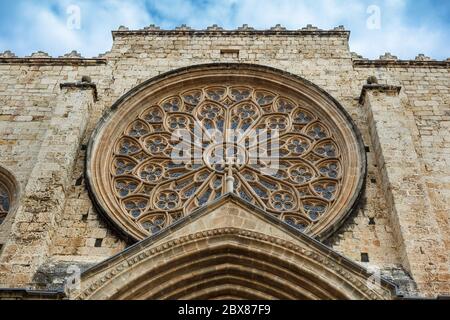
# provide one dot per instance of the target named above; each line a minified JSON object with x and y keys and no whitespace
{"x":289,"y":151}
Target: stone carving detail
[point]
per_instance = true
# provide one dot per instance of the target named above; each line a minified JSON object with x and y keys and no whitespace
{"x":153,"y":191}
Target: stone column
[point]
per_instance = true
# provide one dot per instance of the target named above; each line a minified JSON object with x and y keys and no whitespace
{"x":392,"y":128}
{"x":45,"y":193}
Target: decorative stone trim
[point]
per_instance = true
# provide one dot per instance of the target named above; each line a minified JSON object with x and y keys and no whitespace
{"x":338,"y":267}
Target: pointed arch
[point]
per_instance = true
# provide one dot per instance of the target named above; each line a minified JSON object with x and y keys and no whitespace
{"x":231,"y":263}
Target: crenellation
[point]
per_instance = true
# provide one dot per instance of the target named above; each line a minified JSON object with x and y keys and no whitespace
{"x":246,"y":27}
{"x":154,"y":27}
{"x":388,"y":56}
{"x":7,"y":54}
{"x":73,"y":54}
{"x":39,"y":54}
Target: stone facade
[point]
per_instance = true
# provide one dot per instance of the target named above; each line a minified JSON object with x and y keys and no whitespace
{"x":48,"y":114}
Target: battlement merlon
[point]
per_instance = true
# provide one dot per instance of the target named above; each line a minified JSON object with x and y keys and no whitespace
{"x":245,"y":30}
{"x":335,"y":39}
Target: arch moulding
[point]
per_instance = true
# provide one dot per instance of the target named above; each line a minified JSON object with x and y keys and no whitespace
{"x":231,"y":257}
{"x":221,"y":267}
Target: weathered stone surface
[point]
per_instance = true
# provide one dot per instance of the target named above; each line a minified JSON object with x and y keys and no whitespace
{"x":43,"y":141}
{"x":54,"y":276}
{"x":422,"y":245}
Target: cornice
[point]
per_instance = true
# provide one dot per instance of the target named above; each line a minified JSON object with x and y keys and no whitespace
{"x":400,"y":64}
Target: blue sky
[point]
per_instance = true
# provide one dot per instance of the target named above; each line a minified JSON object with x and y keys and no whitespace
{"x":406,"y":28}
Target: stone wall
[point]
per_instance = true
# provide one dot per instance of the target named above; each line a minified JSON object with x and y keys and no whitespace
{"x":29,"y":88}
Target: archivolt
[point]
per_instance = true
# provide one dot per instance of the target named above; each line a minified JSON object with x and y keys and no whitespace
{"x":231,"y":264}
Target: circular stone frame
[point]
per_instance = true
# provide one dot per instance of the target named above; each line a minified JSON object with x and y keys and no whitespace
{"x":100,"y":146}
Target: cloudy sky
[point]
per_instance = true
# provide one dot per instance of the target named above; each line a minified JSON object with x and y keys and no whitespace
{"x":403,"y":27}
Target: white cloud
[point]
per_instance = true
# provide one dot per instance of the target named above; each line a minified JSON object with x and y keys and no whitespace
{"x":42,"y":25}
{"x":296,"y":14}
{"x":401,"y":41}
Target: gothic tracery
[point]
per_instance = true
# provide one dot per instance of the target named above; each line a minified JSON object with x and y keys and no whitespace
{"x":155,"y":191}
{"x":147,"y":190}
